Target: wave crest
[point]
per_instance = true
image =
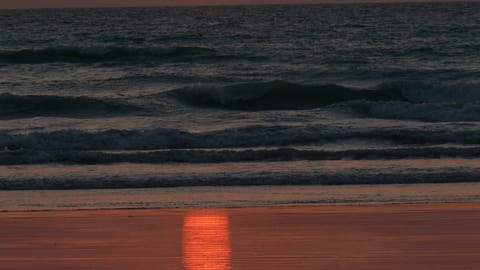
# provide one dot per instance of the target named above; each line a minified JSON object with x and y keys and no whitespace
{"x":348,"y":177}
{"x":277,"y":95}
{"x":434,"y":92}
{"x":23,"y":157}
{"x":429,"y":112}
{"x":251,"y":136}
{"x":430,"y":102}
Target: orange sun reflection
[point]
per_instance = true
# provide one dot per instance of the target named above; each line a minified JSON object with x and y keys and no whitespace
{"x":206,"y":241}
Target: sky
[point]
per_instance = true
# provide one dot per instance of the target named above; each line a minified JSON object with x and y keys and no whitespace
{"x":9,"y":4}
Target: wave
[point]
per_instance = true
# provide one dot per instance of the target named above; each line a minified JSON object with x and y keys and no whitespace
{"x":251,"y":136}
{"x":101,"y":54}
{"x":21,"y":106}
{"x":434,"y":92}
{"x":430,"y":102}
{"x":285,"y":95}
{"x":277,"y":95}
{"x":349,"y":177}
{"x":429,"y":112}
{"x":28,"y":157}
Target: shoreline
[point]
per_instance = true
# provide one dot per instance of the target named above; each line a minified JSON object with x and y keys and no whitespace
{"x":395,"y":205}
{"x":237,"y":197}
{"x":259,"y":207}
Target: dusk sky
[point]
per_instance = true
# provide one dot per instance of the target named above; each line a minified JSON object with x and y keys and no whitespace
{"x":7,"y":4}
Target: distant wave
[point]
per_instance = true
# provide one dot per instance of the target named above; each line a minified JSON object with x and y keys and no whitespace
{"x":20,"y":106}
{"x":24,"y":157}
{"x":277,"y":95}
{"x":100,"y":54}
{"x":252,"y":136}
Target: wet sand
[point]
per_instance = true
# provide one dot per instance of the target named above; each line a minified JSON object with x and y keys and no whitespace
{"x":415,"y":236}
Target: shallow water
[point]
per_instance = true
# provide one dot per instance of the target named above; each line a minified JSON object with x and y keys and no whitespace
{"x":215,"y":197}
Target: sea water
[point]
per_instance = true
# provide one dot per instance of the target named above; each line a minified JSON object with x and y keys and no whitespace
{"x":231,"y":96}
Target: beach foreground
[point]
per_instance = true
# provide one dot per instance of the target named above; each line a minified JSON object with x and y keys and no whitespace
{"x":409,"y":236}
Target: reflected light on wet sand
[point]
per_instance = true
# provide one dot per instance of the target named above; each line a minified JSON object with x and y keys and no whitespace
{"x":206,"y":240}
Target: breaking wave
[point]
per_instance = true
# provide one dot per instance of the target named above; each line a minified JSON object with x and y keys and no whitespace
{"x":434,"y":92}
{"x":350,"y":177}
{"x":250,"y":136}
{"x":277,"y":95}
{"x":429,"y":112}
{"x":25,"y":157}
{"x":394,"y":100}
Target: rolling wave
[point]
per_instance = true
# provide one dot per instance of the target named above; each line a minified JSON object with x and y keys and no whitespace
{"x":434,"y":92}
{"x":251,"y":136}
{"x":101,"y":54}
{"x":277,"y":95}
{"x":22,"y":106}
{"x":286,"y":95}
{"x":348,"y":177}
{"x":428,"y":112}
{"x":28,"y":157}
{"x":425,"y":102}
{"x":393,"y":100}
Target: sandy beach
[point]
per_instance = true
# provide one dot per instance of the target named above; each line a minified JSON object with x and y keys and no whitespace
{"x":408,"y":236}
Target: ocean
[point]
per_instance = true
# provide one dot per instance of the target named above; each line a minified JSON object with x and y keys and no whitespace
{"x":276,"y":96}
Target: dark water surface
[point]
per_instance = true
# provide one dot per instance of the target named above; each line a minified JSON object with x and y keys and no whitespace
{"x":325,"y":94}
